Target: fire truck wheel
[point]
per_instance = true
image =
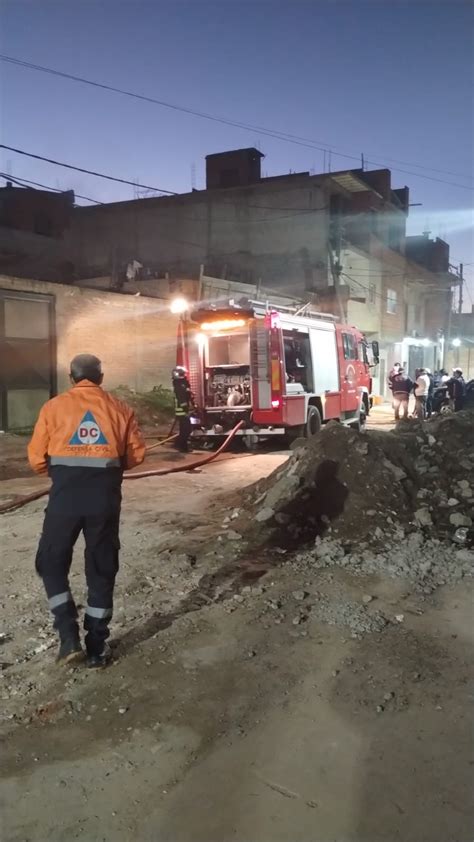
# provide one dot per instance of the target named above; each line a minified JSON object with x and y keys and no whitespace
{"x":361,"y":422}
{"x":313,"y":423}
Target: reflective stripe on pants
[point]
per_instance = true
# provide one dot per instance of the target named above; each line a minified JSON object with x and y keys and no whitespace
{"x":53,"y":562}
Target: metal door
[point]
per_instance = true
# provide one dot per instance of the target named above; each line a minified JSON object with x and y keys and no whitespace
{"x":27,"y":357}
{"x":415,"y":359}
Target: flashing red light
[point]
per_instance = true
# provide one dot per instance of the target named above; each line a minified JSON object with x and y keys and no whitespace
{"x":276,"y":404}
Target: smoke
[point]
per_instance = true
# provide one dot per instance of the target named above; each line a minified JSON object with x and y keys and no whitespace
{"x":446,"y":222}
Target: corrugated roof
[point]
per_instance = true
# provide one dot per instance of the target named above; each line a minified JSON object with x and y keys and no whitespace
{"x":351,"y":183}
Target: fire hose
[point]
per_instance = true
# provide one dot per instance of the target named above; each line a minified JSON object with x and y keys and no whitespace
{"x":161,"y":443}
{"x":160,"y":472}
{"x":169,"y":437}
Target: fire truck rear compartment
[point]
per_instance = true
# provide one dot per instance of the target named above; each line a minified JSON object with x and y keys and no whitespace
{"x":227,"y":370}
{"x":228,"y":386}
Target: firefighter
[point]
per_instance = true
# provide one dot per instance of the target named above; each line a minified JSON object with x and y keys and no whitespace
{"x":84,"y":439}
{"x":184,"y":406}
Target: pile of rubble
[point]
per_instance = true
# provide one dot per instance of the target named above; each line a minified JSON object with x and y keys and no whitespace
{"x":400,"y":503}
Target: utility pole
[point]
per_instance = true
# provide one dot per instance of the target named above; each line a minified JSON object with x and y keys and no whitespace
{"x":461,"y":291}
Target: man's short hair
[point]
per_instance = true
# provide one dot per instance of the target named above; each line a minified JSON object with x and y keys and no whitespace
{"x":86,"y":367}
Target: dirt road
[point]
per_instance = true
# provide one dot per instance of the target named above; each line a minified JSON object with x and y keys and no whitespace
{"x":237,"y":708}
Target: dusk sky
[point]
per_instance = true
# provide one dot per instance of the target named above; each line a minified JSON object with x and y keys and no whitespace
{"x":393,"y":80}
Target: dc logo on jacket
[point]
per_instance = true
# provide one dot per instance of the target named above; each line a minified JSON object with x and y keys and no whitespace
{"x":88,"y":432}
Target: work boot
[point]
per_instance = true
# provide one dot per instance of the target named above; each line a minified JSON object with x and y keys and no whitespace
{"x":70,"y":649}
{"x":99,"y":659}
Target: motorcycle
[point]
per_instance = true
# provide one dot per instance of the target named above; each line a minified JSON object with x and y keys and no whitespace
{"x":469,"y":396}
{"x":441,"y":402}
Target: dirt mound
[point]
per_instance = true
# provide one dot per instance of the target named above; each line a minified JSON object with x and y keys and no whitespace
{"x":344,"y":492}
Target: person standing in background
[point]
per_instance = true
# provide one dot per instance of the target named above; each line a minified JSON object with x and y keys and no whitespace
{"x":396,"y":369}
{"x":422,"y":386}
{"x":402,"y":387}
{"x":456,"y":389}
{"x":429,"y":398}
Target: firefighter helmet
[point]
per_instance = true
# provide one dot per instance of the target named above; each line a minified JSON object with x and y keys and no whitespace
{"x":179,"y":373}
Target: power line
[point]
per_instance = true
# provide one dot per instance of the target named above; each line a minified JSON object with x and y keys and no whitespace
{"x":282,"y":136}
{"x":295,"y":212}
{"x":81,"y":169}
{"x":23,"y":181}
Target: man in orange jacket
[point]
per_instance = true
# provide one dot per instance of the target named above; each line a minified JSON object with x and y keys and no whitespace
{"x":84,"y":439}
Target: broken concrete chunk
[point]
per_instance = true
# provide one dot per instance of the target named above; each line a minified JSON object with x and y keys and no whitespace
{"x":457,"y":519}
{"x":397,"y":472}
{"x":423,"y":517}
{"x":282,"y":492}
{"x":264,"y":514}
{"x":299,"y":595}
{"x":231,"y":535}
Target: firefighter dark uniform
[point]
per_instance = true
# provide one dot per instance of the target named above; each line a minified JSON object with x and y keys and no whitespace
{"x":83,"y":439}
{"x":184,"y":406}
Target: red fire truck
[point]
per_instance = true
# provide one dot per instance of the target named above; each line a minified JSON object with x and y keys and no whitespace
{"x":282,"y":371}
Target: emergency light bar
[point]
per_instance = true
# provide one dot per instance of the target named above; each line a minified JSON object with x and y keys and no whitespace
{"x":224,"y":324}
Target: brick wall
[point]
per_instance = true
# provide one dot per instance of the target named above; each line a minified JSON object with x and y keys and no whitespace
{"x":135,"y":337}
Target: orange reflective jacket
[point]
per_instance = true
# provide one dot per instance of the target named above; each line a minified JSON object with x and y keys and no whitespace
{"x":88,"y":428}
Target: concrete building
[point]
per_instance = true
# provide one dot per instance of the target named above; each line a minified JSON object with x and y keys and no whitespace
{"x":274,"y":230}
{"x":32,"y":226}
{"x":43,"y":325}
{"x":336,"y":238}
{"x":460,"y":344}
{"x":339,"y":238}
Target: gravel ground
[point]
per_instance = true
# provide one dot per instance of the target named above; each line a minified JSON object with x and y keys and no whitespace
{"x":268,"y":685}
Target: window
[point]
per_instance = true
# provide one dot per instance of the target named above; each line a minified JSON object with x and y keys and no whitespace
{"x":350,"y":346}
{"x":391,"y":301}
{"x":363,"y":356}
{"x":372,"y":293}
{"x":298,"y":358}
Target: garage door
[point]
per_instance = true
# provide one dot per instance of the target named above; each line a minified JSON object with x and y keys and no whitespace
{"x":27,"y":357}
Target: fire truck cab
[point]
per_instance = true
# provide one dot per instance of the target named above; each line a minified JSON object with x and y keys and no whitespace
{"x":281,"y":371}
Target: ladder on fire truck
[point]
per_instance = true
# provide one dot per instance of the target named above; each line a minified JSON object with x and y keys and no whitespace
{"x":262,"y":307}
{"x":301,"y":311}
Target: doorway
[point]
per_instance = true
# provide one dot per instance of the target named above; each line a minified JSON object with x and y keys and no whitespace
{"x":27,"y":357}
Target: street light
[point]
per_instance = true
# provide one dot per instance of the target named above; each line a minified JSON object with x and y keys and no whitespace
{"x":456,"y":343}
{"x":179,"y":306}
